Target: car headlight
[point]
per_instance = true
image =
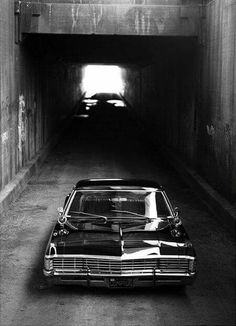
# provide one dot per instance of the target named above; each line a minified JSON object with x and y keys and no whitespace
{"x":48,"y":264}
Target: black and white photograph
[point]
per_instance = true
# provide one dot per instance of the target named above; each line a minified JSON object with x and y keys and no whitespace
{"x":117,"y":162}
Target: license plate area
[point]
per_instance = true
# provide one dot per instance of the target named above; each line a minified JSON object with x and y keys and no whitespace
{"x":120,"y":282}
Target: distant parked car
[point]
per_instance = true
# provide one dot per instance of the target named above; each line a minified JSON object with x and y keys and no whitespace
{"x":99,"y":101}
{"x":113,"y":99}
{"x":119,"y":233}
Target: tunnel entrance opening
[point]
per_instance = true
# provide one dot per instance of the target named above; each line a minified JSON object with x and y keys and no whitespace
{"x":102,"y":79}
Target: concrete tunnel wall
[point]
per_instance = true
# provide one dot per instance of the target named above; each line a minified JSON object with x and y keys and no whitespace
{"x":217,"y":114}
{"x":187,"y":101}
{"x":37,"y":95}
{"x":166,"y":104}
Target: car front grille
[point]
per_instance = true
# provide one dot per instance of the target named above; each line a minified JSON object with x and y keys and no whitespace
{"x":113,"y":267}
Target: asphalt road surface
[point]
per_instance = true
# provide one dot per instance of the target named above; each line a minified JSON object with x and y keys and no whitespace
{"x":108,"y":148}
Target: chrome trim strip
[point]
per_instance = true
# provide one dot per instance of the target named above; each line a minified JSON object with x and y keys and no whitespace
{"x":91,"y":275}
{"x":168,"y":204}
{"x":122,"y":258}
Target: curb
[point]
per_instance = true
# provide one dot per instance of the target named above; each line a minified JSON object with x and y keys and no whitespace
{"x":218,"y":205}
{"x":15,"y":187}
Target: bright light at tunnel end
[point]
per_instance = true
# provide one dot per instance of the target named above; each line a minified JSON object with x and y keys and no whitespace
{"x":102,"y":79}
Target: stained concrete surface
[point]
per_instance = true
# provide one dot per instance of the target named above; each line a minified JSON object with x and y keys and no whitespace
{"x":111,"y":17}
{"x":109,"y":148}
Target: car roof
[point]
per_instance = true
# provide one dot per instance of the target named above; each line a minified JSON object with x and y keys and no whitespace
{"x":106,"y":96}
{"x":97,"y":182}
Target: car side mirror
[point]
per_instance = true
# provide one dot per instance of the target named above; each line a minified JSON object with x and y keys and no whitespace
{"x":176,"y":211}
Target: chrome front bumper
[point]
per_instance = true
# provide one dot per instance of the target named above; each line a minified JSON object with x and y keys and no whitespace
{"x":91,"y":280}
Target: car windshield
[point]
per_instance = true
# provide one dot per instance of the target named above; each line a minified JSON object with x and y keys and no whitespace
{"x":119,"y":204}
{"x":106,"y":96}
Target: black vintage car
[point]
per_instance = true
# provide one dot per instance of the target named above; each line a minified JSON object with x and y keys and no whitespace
{"x":119,"y":233}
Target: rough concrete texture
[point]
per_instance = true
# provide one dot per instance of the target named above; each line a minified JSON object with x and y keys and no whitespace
{"x":89,"y":152}
{"x":188,"y":99}
{"x":17,"y":185}
{"x":7,"y":94}
{"x":217,"y":115}
{"x":164,"y":134}
{"x":167,"y":98}
{"x":128,"y":18}
{"x":37,"y":95}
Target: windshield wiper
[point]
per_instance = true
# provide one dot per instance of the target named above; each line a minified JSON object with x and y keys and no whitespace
{"x":141,"y":217}
{"x":128,"y":212}
{"x":90,"y":216}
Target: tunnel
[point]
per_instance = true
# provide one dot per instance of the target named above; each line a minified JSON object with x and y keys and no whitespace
{"x":160,"y":77}
{"x":177,"y":63}
{"x":170,"y":61}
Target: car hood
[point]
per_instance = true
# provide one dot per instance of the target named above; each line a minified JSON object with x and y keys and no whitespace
{"x":131,"y":244}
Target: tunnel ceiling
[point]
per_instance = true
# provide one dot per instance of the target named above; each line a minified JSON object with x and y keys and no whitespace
{"x":140,"y":50}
